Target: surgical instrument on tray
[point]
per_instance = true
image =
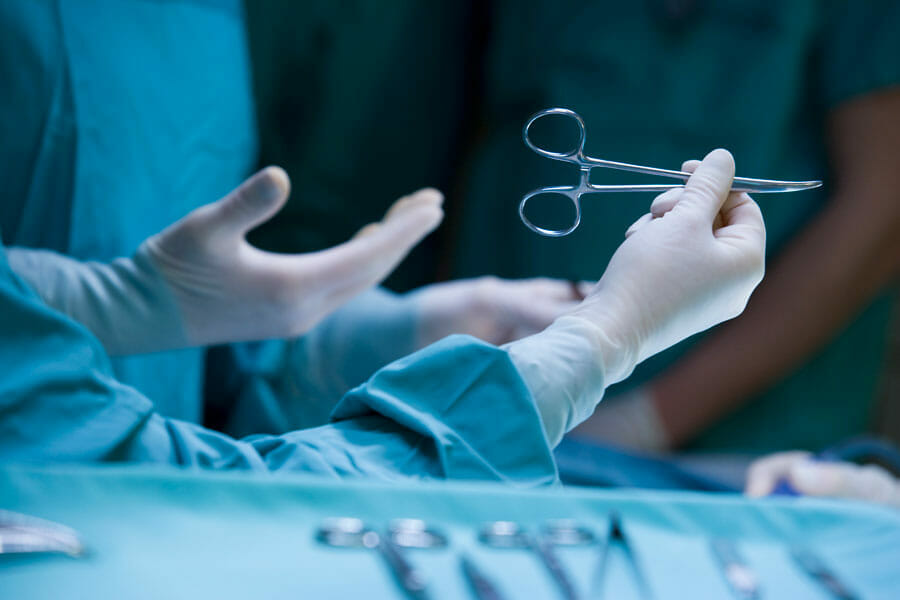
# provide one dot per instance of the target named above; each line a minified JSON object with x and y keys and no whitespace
{"x":24,"y":534}
{"x":616,"y":537}
{"x":815,"y":568}
{"x":737,"y":574}
{"x":348,"y":532}
{"x":415,"y":533}
{"x":482,"y":587}
{"x":507,"y":534}
{"x":585,"y":164}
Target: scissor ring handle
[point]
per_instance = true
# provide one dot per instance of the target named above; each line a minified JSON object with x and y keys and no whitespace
{"x":569,"y":192}
{"x":572,"y":154}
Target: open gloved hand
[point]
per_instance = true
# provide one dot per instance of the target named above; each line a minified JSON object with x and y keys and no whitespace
{"x":199,"y":282}
{"x":680,"y":271}
{"x":828,"y":479}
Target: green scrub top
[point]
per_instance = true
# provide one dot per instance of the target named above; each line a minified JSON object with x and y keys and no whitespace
{"x":118,"y":118}
{"x":361,"y":102}
{"x":656,"y":86}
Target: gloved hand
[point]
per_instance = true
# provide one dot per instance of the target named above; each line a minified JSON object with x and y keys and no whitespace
{"x":199,"y":282}
{"x":492,"y":309}
{"x":830,"y":479}
{"x":627,"y":421}
{"x":675,"y":275}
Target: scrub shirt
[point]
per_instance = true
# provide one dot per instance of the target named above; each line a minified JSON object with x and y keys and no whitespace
{"x":361,"y":102}
{"x":420,"y":417}
{"x":656,"y":86}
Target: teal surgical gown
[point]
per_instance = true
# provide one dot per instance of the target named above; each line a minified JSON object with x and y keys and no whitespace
{"x":118,"y":117}
{"x":457,"y":409}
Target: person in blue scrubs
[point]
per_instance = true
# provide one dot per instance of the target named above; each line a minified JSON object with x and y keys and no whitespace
{"x":460,"y":408}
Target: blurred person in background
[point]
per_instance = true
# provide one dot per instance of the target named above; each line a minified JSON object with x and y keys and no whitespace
{"x":799,"y":89}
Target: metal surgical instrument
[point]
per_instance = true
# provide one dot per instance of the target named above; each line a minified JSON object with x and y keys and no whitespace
{"x":815,"y":568}
{"x":23,"y":534}
{"x":507,"y":534}
{"x":577,"y":157}
{"x":414,"y":533}
{"x":616,"y":537}
{"x":348,"y":532}
{"x":738,"y":575}
{"x":482,"y":587}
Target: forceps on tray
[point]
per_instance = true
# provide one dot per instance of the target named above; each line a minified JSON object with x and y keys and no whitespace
{"x":349,"y":532}
{"x":23,"y":534}
{"x":616,"y":538}
{"x":507,"y":534}
{"x":576,"y":156}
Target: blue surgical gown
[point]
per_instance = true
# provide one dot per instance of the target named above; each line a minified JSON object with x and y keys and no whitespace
{"x":118,"y":118}
{"x":457,"y":409}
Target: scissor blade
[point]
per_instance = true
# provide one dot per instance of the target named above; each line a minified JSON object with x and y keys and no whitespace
{"x":771,"y":186}
{"x":482,"y":587}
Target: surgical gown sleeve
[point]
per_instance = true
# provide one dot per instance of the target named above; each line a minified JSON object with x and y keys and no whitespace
{"x":455,"y":409}
{"x":282,"y":385}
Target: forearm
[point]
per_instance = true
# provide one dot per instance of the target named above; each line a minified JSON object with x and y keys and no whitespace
{"x":125,"y":304}
{"x":825,"y":276}
{"x":414,"y":418}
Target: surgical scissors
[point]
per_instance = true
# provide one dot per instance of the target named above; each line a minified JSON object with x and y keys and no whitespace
{"x":507,"y":534}
{"x":585,"y":163}
{"x":415,"y":533}
{"x":737,"y":573}
{"x":616,"y":537}
{"x":349,"y":532}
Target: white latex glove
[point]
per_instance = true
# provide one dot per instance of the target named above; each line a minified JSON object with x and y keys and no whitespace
{"x":199,"y":282}
{"x":492,"y":309}
{"x":674,"y":276}
{"x":629,"y":421}
{"x":831,"y":479}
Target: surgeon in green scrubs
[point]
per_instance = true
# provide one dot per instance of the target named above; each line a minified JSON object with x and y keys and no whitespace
{"x":800,"y":89}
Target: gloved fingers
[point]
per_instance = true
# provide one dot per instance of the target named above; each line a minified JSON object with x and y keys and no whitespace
{"x":373,"y":252}
{"x":584,"y":288}
{"x":531,"y":317}
{"x":689,"y":166}
{"x":425,"y":195}
{"x":533,"y":303}
{"x":643,"y":220}
{"x":707,"y":189}
{"x":252,"y":203}
{"x":843,"y":480}
{"x":555,"y":290}
{"x":665,"y":202}
{"x":765,"y":473}
{"x":532,"y":289}
{"x":742,"y":222}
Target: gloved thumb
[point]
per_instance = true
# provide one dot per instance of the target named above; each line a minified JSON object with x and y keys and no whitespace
{"x":707,"y":189}
{"x":252,"y":203}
